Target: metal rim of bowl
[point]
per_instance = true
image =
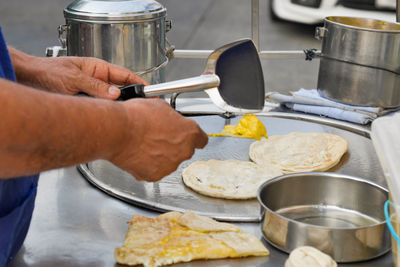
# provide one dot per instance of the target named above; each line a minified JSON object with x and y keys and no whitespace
{"x":349,"y":26}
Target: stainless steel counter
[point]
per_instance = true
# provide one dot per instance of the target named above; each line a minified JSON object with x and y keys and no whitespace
{"x":75,"y":224}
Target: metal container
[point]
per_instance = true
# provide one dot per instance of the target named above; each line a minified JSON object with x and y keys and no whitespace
{"x":129,"y":33}
{"x":398,"y":11}
{"x":338,"y":214}
{"x":360,"y":61}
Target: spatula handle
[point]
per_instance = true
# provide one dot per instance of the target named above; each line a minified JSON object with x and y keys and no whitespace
{"x":131,"y":91}
{"x":198,"y":83}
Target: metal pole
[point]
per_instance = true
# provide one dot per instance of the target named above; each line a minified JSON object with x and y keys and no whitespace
{"x":290,"y":54}
{"x":398,"y":11}
{"x":255,"y":19}
{"x":190,"y":53}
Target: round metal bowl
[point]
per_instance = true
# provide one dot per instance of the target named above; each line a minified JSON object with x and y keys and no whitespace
{"x":338,"y":214}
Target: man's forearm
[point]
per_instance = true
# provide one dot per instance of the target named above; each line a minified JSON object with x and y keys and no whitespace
{"x":40,"y":131}
{"x":23,"y":66}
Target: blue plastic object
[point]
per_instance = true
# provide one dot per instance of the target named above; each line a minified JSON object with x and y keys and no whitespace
{"x":389,"y":224}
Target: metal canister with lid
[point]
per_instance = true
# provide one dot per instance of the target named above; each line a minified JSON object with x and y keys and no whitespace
{"x":129,"y":33}
{"x":360,"y":61}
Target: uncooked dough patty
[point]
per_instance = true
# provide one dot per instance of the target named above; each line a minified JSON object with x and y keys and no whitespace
{"x":309,"y":257}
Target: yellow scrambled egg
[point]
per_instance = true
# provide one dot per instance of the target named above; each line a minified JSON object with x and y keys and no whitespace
{"x":248,"y":127}
{"x":188,"y":243}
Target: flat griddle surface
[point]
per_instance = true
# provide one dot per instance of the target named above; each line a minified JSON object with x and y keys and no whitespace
{"x":170,"y":194}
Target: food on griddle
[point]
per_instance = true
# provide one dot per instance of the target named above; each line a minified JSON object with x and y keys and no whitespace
{"x":248,"y":127}
{"x":175,"y":237}
{"x":309,"y":257}
{"x":299,"y":152}
{"x":230,"y":179}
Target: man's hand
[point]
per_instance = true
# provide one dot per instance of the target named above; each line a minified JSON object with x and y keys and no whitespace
{"x":41,"y":131}
{"x":157,"y":139}
{"x":71,"y":75}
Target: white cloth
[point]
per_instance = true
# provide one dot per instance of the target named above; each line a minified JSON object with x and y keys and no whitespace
{"x":309,"y":101}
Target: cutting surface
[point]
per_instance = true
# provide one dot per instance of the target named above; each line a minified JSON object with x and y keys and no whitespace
{"x":171,"y":194}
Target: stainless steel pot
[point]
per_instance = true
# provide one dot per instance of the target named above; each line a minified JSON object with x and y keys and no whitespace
{"x":360,"y":61}
{"x":338,"y":214}
{"x":129,"y":33}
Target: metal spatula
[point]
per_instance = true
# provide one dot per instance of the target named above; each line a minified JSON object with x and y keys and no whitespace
{"x":233,"y":79}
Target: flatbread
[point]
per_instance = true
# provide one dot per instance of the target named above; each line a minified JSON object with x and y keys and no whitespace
{"x":175,"y":237}
{"x":299,"y":152}
{"x":309,"y":257}
{"x":230,"y":179}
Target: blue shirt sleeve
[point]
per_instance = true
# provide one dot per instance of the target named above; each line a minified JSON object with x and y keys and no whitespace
{"x":17,"y":195}
{"x":6,"y":69}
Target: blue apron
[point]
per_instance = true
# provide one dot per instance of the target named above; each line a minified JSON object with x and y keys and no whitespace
{"x":17,"y":195}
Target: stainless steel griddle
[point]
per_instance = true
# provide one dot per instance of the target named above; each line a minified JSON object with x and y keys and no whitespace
{"x":171,"y":194}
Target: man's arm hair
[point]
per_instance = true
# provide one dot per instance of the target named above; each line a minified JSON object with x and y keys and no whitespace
{"x":41,"y":131}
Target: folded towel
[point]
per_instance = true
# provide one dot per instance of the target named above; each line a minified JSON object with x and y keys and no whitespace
{"x":309,"y":101}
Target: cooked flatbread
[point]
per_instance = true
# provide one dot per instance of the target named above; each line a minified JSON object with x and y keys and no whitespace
{"x":300,"y":152}
{"x":175,"y":237}
{"x":230,"y":179}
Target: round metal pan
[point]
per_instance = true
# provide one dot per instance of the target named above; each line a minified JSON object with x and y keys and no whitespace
{"x":170,"y":194}
{"x":338,"y":214}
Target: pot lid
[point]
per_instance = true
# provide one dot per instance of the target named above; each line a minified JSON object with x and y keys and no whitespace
{"x":114,"y":10}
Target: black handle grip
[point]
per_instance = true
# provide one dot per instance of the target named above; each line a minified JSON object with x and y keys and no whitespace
{"x":131,"y":91}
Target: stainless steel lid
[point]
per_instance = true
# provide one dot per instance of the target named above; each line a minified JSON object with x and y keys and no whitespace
{"x":114,"y":10}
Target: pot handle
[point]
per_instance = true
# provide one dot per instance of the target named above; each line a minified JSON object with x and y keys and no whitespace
{"x":169,"y":54}
{"x":320,"y":33}
{"x":62,"y":35}
{"x":155,"y":68}
{"x":59,"y":51}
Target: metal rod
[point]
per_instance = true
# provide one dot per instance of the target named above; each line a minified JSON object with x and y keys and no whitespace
{"x":291,"y":54}
{"x":186,"y":53}
{"x":255,"y":22}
